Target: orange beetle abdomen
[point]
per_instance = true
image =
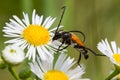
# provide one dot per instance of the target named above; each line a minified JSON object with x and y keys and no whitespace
{"x":77,"y":40}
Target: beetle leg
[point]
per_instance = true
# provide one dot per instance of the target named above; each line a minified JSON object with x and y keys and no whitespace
{"x":78,"y":62}
{"x":63,"y":41}
{"x":63,"y":48}
{"x":94,"y":52}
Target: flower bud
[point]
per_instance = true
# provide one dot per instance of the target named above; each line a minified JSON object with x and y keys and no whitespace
{"x":13,"y":54}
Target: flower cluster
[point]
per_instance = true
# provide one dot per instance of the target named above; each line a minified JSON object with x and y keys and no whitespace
{"x":32,"y":40}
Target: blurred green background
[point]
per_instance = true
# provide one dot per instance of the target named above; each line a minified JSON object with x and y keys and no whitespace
{"x":98,"y":19}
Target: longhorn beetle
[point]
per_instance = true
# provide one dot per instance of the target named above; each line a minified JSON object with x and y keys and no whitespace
{"x":68,"y":38}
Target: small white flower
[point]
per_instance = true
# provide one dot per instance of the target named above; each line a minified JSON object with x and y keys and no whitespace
{"x":61,"y":70}
{"x":35,"y":35}
{"x":13,"y":54}
{"x":110,"y":50}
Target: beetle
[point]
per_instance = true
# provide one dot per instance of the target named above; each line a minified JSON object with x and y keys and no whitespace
{"x":69,"y":38}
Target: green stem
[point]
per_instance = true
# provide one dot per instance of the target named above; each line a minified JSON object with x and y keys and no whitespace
{"x":12,"y":71}
{"x":114,"y":73}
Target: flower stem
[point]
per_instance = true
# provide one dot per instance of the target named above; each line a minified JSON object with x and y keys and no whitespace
{"x":12,"y":71}
{"x":114,"y":73}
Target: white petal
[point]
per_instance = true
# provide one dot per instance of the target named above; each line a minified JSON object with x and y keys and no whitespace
{"x":37,"y":19}
{"x":118,"y":50}
{"x":41,"y":64}
{"x":46,"y":20}
{"x":41,"y":53}
{"x":36,"y":69}
{"x":26,"y":19}
{"x":30,"y":53}
{"x":114,"y":47}
{"x":60,"y":61}
{"x":18,"y":20}
{"x":40,"y":20}
{"x":104,"y":47}
{"x":13,"y":28}
{"x":14,"y":23}
{"x":15,"y":40}
{"x":50,"y":22}
{"x":67,"y":64}
{"x":108,"y":46}
{"x":78,"y":71}
{"x":33,"y":17}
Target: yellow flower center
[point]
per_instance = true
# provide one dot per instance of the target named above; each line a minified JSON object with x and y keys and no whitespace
{"x":36,"y":35}
{"x":117,"y":58}
{"x":55,"y":75}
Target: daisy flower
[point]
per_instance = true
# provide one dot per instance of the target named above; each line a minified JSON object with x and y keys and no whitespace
{"x":110,"y":50}
{"x":61,"y":70}
{"x":13,"y":54}
{"x":35,"y":35}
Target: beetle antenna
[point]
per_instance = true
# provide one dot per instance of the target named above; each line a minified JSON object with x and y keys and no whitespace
{"x":64,"y":8}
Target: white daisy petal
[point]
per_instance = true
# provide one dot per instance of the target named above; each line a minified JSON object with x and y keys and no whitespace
{"x":33,"y":17}
{"x":41,"y":64}
{"x":104,"y":47}
{"x":46,"y":51}
{"x":46,"y":21}
{"x":51,"y":49}
{"x":11,"y":35}
{"x":13,"y":32}
{"x":11,"y":27}
{"x":14,"y":23}
{"x":110,"y":50}
{"x":66,"y":63}
{"x":60,"y":61}
{"x":24,"y":45}
{"x":108,"y":46}
{"x":15,"y":40}
{"x":37,"y":19}
{"x":118,"y":50}
{"x":31,"y":52}
{"x":18,"y":20}
{"x":50,"y":23}
{"x":114,"y":47}
{"x":35,"y":69}
{"x":68,"y":73}
{"x":20,"y":43}
{"x":26,"y":19}
{"x":40,"y":20}
{"x":41,"y":53}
